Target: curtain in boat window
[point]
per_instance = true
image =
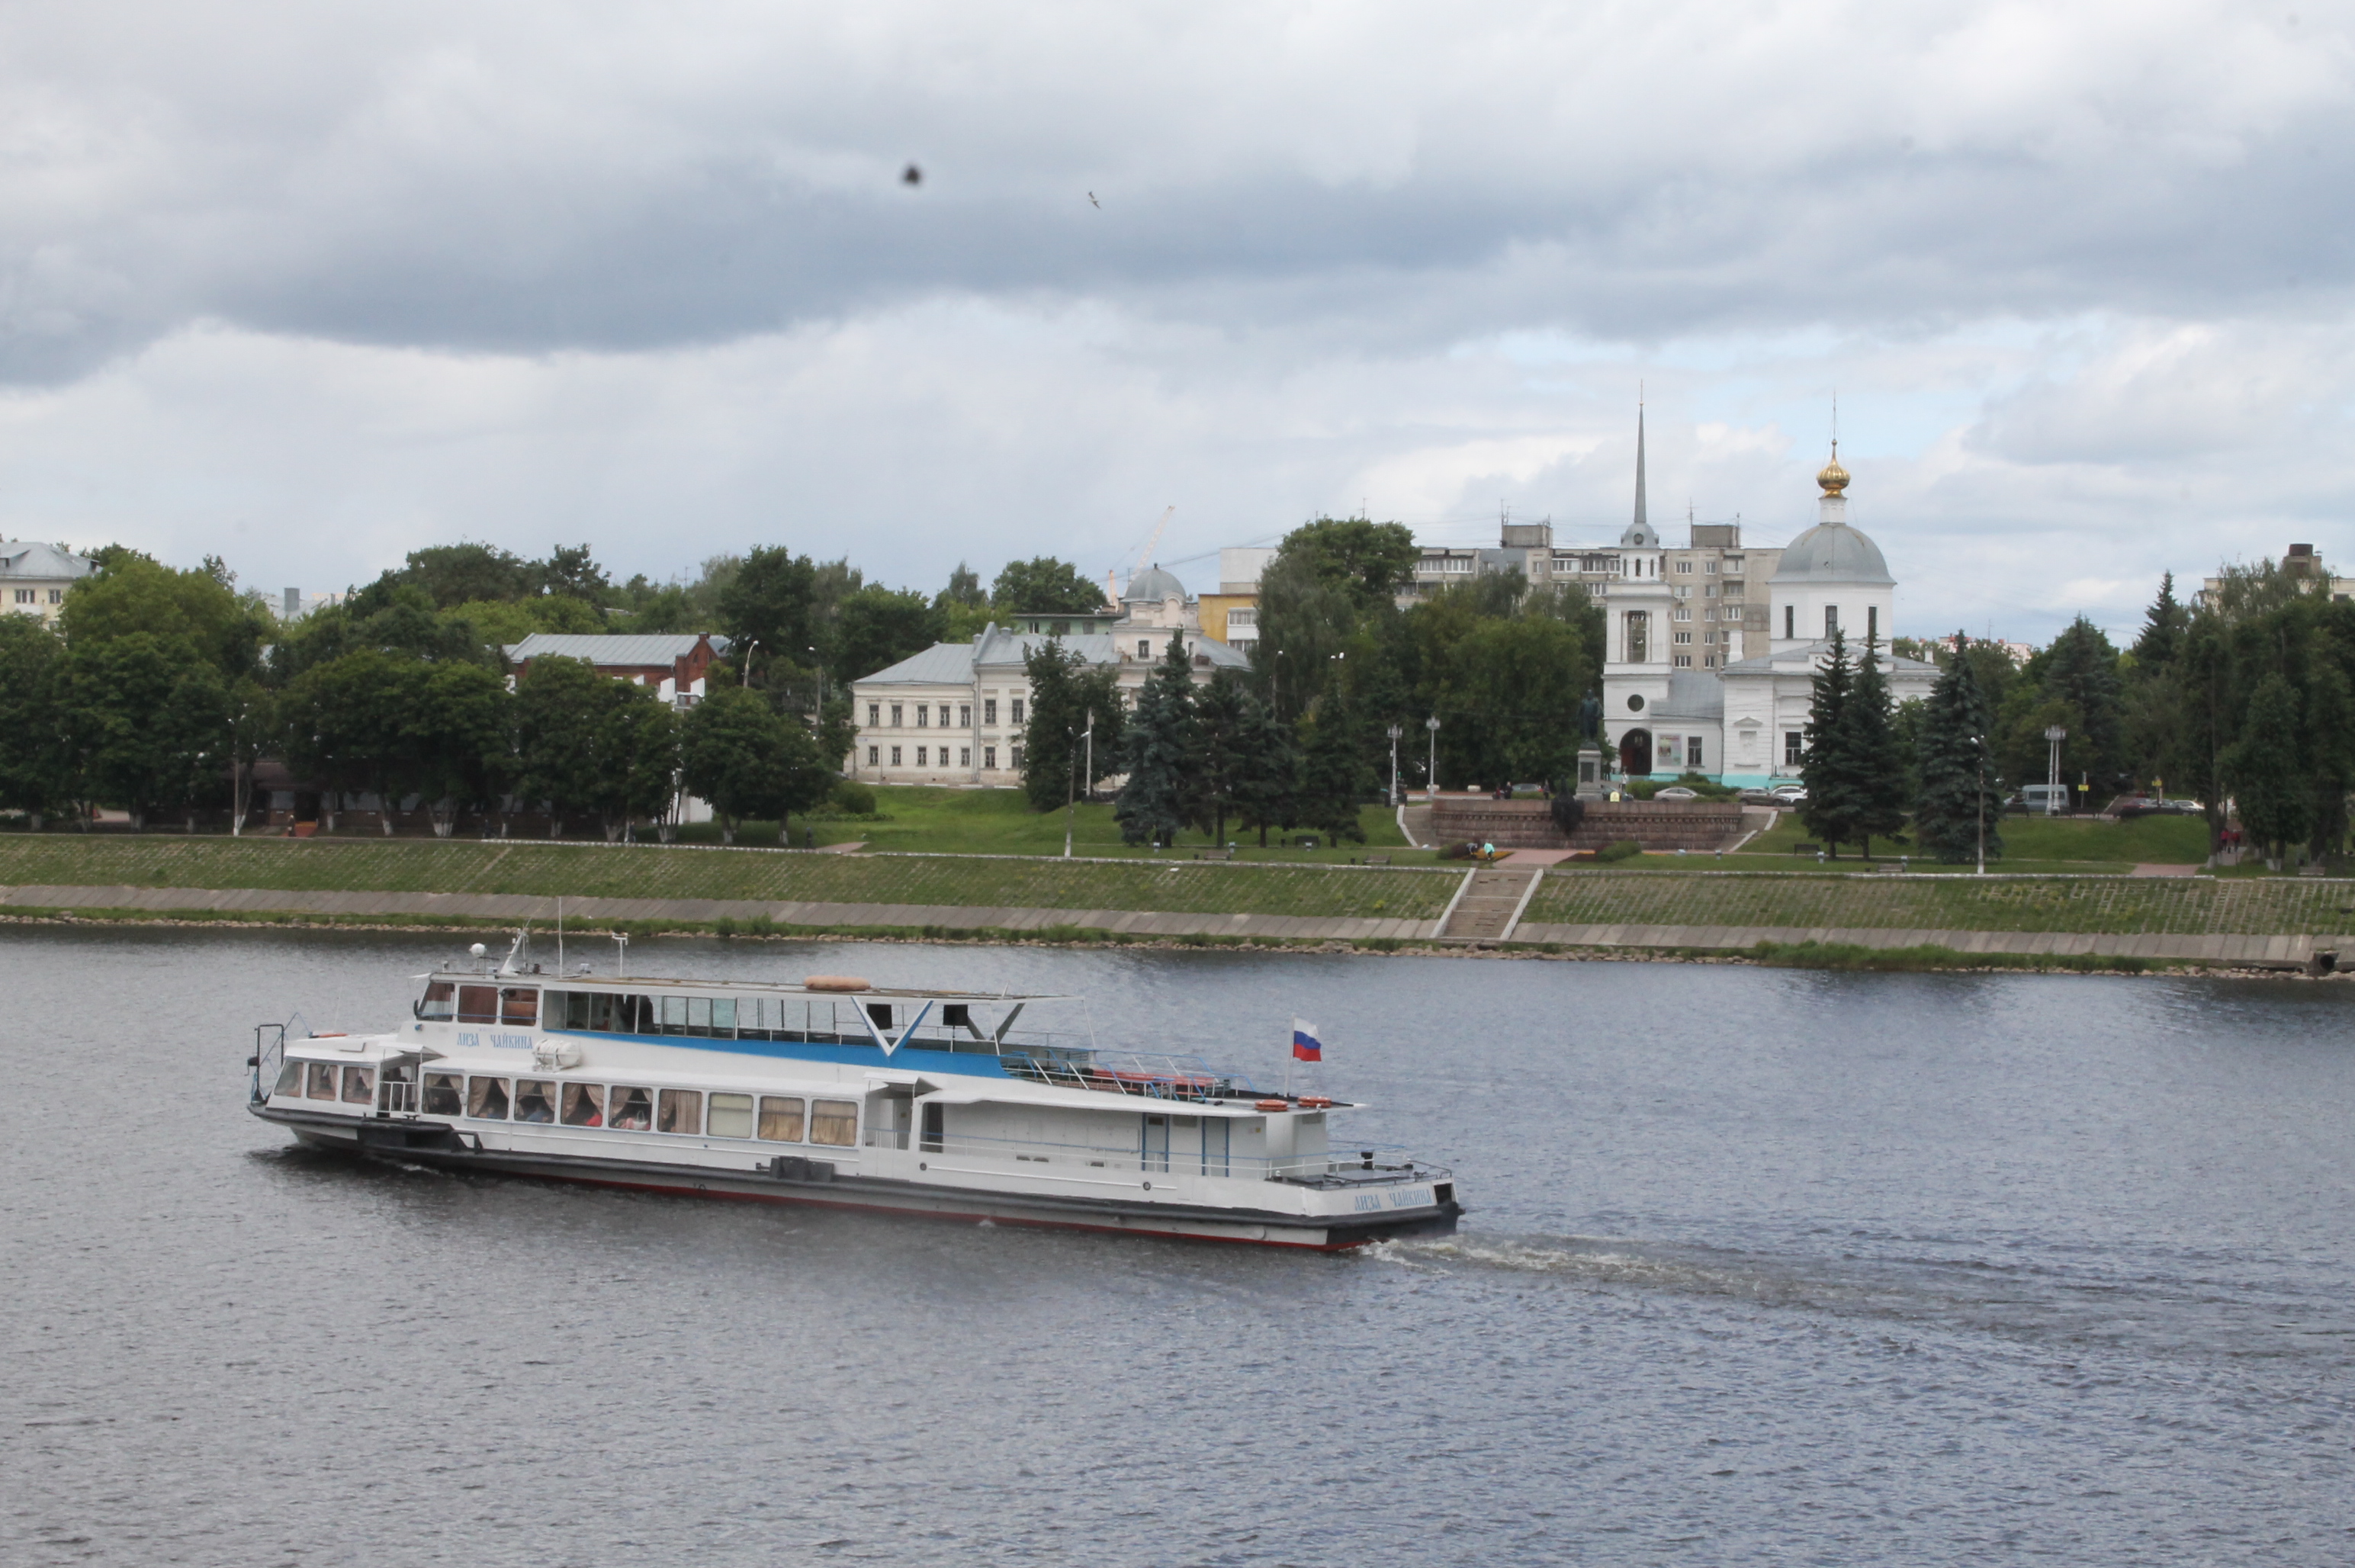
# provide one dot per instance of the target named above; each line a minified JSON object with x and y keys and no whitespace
{"x":478,"y":1004}
{"x":535,"y":1100}
{"x":359,"y":1085}
{"x":630,"y":1109}
{"x":584,"y":1105}
{"x":488,"y":1098}
{"x":322,"y":1081}
{"x":442,"y":1095}
{"x":520,"y":1005}
{"x":682,"y":1110}
{"x":834,"y":1122}
{"x":781,"y":1119}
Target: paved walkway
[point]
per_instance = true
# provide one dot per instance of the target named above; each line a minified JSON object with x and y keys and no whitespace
{"x":2276,"y":952}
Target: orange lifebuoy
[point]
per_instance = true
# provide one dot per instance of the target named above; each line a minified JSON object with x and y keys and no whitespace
{"x":835,"y":982}
{"x":1270,"y":1104}
{"x":1314,"y":1103}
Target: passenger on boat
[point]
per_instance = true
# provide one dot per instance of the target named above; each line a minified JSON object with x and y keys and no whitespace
{"x":633,"y":1110}
{"x":531,"y":1102}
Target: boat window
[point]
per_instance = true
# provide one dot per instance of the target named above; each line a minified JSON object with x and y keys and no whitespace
{"x":359,"y":1085}
{"x":290,"y":1080}
{"x":698,"y":1015}
{"x":478,"y":1004}
{"x":730,"y":1116}
{"x":631,"y":1110}
{"x":440,"y":999}
{"x":673,"y":1014}
{"x":723,"y":1016}
{"x":682,"y":1111}
{"x":535,"y":1100}
{"x":834,"y":1122}
{"x":520,"y":1005}
{"x":584,"y":1105}
{"x":781,"y":1119}
{"x":754,"y":1017}
{"x":443,"y":1097}
{"x":488,"y":1098}
{"x":322,"y":1081}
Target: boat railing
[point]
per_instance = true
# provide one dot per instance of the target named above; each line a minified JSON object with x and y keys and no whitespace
{"x":1359,"y":1167}
{"x":1151,"y":1074}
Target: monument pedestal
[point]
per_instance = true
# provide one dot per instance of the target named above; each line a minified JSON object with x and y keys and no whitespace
{"x":1590,"y":774}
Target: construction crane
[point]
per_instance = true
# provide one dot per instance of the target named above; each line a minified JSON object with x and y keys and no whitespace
{"x":1143,"y":558}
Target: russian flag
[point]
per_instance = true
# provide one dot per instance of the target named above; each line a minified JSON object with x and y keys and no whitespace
{"x":1305,"y":1046}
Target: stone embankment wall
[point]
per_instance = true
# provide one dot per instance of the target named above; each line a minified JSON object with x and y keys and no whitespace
{"x":1662,"y":825}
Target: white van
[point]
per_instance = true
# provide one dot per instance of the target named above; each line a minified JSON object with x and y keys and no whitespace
{"x":2043,"y":797}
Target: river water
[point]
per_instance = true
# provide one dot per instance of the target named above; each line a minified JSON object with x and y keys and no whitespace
{"x":1761,"y":1266}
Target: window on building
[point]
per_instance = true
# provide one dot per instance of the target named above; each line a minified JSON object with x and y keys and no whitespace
{"x":1143,"y":647}
{"x":1732,"y":563}
{"x":1710,"y":661}
{"x":1790,"y":614}
{"x":1709,"y":636}
{"x":1684,"y":661}
{"x":1683,"y":638}
{"x":989,"y":711}
{"x":24,"y":596}
{"x":58,"y":596}
{"x":1831,"y":619}
{"x":1639,"y":635}
{"x":964,"y":715}
{"x":895,"y":716}
{"x":874,"y":715}
{"x":1710,"y":567}
{"x":1872,"y":620}
{"x":1684,"y":565}
{"x":965,"y":756}
{"x":895,"y":756}
{"x":1692,"y":751}
{"x":1014,"y":758}
{"x":919,"y":756}
{"x":872,"y":757}
{"x":1014,"y":710}
{"x":922,"y":714}
{"x":989,"y":759}
{"x":1794,"y":747}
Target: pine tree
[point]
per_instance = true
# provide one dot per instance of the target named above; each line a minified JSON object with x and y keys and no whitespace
{"x":1956,"y":804}
{"x":1834,"y":805}
{"x":1268,"y":794}
{"x":1152,"y":804}
{"x":1221,"y":764}
{"x":1334,"y":777}
{"x":1869,"y":752}
{"x":2162,"y":628}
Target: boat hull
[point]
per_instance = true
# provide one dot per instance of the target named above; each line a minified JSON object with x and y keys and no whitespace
{"x":438,"y":1146}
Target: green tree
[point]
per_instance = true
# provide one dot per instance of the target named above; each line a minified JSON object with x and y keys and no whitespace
{"x":450,"y":574}
{"x":1334,"y":777}
{"x":198,"y":611}
{"x":35,"y":776}
{"x":2080,"y":668}
{"x":638,"y":736}
{"x":878,"y":627}
{"x":747,"y":761}
{"x":571,"y":572}
{"x":768,"y":609}
{"x":460,"y":727}
{"x":1152,"y":806}
{"x":1507,"y":698}
{"x":560,"y":704}
{"x":1957,"y":802}
{"x":1222,"y":765}
{"x":144,"y":720}
{"x":2265,"y":770}
{"x":1870,"y":750}
{"x":1066,"y":696}
{"x":253,"y":729}
{"x":1836,"y":802}
{"x":346,"y":725}
{"x":2162,"y":628}
{"x":1267,"y":794}
{"x":1367,"y":562}
{"x":1045,"y":586}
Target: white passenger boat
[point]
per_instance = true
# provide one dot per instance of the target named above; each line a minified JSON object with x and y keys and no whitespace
{"x":839,"y":1093}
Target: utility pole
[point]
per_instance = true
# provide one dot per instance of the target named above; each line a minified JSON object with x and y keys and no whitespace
{"x":1978,"y":794}
{"x":1071,"y":794}
{"x":1431,"y":780}
{"x":2052,"y":790}
{"x":1395,"y":732}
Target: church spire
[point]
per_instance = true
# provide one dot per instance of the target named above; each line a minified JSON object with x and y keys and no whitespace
{"x":1641,"y":521}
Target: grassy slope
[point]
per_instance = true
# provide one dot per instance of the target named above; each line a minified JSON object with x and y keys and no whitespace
{"x":2030,"y":844}
{"x":2168,"y":906}
{"x":998,"y":821}
{"x":652,"y":871}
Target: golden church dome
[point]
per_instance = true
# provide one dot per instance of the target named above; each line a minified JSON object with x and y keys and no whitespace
{"x":1834,"y":478}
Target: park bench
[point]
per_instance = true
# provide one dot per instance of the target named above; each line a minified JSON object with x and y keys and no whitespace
{"x":1370,"y":860}
{"x":1214,"y":854}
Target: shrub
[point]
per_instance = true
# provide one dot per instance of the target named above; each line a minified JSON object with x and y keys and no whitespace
{"x":853,"y":798}
{"x":1626,"y":849}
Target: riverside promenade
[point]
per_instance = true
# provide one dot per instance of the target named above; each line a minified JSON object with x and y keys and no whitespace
{"x":2222,"y":949}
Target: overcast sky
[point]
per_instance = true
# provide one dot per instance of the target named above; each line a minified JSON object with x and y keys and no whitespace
{"x":308,"y":285}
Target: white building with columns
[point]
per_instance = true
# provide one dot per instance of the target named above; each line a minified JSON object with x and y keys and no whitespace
{"x":1665,"y":711}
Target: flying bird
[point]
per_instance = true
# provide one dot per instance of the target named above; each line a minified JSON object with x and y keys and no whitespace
{"x":911,"y":176}
{"x":1093,"y":202}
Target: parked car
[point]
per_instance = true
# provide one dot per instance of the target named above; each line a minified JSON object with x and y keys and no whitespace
{"x":1761,"y":797}
{"x":2184,"y":807}
{"x":1791,"y":794}
{"x":1676,"y":792}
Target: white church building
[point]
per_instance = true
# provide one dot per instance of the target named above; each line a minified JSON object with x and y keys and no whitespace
{"x":1744,"y":723}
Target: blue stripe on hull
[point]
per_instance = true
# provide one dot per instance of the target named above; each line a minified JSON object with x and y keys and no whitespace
{"x":972,"y":1063}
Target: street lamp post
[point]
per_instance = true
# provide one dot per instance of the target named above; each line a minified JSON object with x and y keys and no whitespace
{"x":748,"y":661}
{"x":1978,"y":793}
{"x":1395,"y":733}
{"x":1431,"y":779}
{"x":2053,"y":783}
{"x":1070,"y":794}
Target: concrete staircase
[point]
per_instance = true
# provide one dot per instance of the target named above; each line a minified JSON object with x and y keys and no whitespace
{"x":1490,"y":905}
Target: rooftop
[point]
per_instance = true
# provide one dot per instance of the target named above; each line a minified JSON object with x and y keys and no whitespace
{"x":30,"y":558}
{"x":600,"y":649}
